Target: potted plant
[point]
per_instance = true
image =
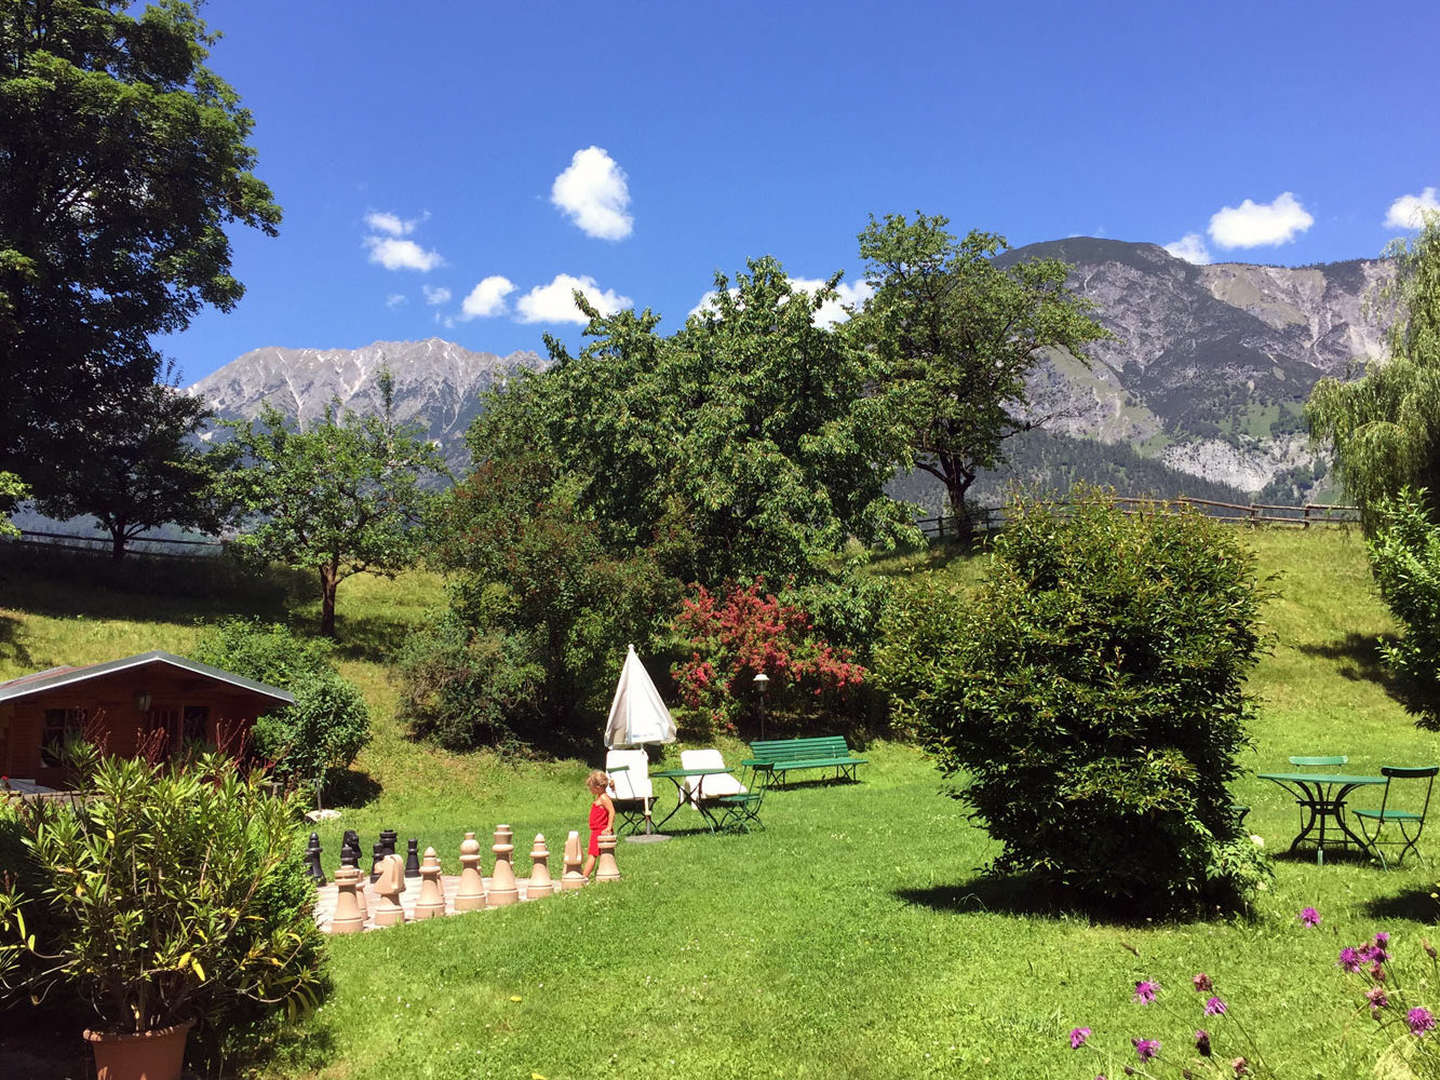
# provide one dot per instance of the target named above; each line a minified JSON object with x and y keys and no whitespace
{"x":162,"y":901}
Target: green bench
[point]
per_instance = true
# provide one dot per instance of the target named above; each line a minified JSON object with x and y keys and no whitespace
{"x":782,"y":756}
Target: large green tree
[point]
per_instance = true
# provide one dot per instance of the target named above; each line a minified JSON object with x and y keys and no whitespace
{"x":345,"y":497}
{"x":12,"y":490}
{"x":122,"y":160}
{"x":953,"y":335}
{"x":137,"y":465}
{"x":1385,"y":427}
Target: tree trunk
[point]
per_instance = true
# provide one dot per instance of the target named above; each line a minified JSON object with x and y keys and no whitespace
{"x":329,"y":578}
{"x":957,"y":483}
{"x":117,"y":541}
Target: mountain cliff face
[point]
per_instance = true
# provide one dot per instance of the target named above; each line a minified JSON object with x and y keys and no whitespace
{"x":437,"y":384}
{"x":1210,"y":366}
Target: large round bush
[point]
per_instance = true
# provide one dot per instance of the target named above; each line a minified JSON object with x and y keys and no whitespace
{"x":1089,"y":699}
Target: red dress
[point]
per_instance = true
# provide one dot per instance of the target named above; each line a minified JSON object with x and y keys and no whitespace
{"x":598,"y":816}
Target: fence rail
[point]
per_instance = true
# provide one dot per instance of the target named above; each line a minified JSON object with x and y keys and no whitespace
{"x":194,"y":549}
{"x":991,"y":519}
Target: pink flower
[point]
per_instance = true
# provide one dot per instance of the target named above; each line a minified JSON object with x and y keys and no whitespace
{"x":1214,"y":1007}
{"x":1145,"y":1049}
{"x":1202,"y":983}
{"x":1145,"y":991}
{"x":1420,"y":1021}
{"x":1078,"y":1037}
{"x":1377,"y":997}
{"x":1309,"y":916}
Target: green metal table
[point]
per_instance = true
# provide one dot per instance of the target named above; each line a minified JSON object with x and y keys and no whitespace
{"x":678,"y":778}
{"x":1322,"y":797}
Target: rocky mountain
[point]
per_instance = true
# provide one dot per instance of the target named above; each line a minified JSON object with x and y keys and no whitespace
{"x":437,"y":384}
{"x":1210,"y":366}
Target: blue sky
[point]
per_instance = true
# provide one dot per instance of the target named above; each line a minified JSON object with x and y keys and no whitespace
{"x":416,"y":150}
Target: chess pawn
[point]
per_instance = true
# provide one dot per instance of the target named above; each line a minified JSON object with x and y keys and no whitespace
{"x":572,"y":878}
{"x":471,"y":894}
{"x":391,"y":884}
{"x":412,"y":859}
{"x":388,"y":839}
{"x":313,"y":868}
{"x":540,"y":883}
{"x":607,"y":869}
{"x":503,"y":891}
{"x":348,"y":918}
{"x":432,"y":893}
{"x":378,"y":852}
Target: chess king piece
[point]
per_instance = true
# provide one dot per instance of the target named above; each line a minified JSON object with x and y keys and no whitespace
{"x":388,"y":839}
{"x":348,"y":918}
{"x":503,"y":891}
{"x":313,"y":868}
{"x":412,"y":859}
{"x":388,"y":888}
{"x":378,"y":852}
{"x":572,"y":878}
{"x":606,"y":869}
{"x":470,"y":896}
{"x":540,"y":883}
{"x":432,"y":891}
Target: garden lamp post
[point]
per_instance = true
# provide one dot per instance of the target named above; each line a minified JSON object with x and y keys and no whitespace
{"x":762,"y":683}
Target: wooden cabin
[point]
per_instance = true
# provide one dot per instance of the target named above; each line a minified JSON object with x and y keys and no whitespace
{"x":154,"y":702}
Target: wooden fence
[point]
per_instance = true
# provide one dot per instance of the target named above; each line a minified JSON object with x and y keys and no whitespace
{"x":990,"y":519}
{"x":188,"y":549}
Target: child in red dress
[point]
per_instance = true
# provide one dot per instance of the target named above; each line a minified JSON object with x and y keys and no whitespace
{"x":602,"y":817}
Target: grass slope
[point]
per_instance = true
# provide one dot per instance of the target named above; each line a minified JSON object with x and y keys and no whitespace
{"x":853,"y":938}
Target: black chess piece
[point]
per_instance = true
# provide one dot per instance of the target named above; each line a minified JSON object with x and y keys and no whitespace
{"x":312,"y":860}
{"x":412,"y":859}
{"x":350,"y":849}
{"x":388,"y":839}
{"x":378,"y":850}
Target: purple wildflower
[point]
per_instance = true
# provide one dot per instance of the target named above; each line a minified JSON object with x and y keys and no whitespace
{"x":1145,"y":991}
{"x":1078,"y":1037}
{"x":1349,"y":960}
{"x":1373,"y":954}
{"x":1214,"y":1007}
{"x":1145,"y":1049}
{"x":1309,"y":916}
{"x":1377,"y":971}
{"x":1382,"y":938}
{"x":1202,"y":1042}
{"x":1377,"y":997}
{"x":1202,"y":983}
{"x":1420,"y":1021}
{"x":1241,"y":1066}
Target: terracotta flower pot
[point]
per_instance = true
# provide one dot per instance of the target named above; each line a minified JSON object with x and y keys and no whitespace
{"x":151,"y":1055}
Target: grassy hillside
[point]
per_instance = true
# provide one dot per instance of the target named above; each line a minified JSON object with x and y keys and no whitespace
{"x":854,"y":937}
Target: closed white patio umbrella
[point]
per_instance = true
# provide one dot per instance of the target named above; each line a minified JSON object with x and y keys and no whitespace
{"x":637,"y":715}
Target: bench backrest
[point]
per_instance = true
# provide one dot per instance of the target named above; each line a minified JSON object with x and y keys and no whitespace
{"x":713,"y":784}
{"x":633,"y":782}
{"x":782,"y":750}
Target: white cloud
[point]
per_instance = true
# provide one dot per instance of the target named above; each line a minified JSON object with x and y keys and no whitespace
{"x":435,"y":295}
{"x":486,"y":299}
{"x":594,"y":193}
{"x":830,"y":312}
{"x":381,"y":221}
{"x":1191,"y":248}
{"x":1409,"y":211}
{"x":1253,"y":224}
{"x":394,"y":254}
{"x":554,"y":303}
{"x":396,"y":299}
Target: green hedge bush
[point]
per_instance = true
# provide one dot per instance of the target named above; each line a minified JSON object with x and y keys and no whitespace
{"x":1089,"y":699}
{"x":1404,"y":553}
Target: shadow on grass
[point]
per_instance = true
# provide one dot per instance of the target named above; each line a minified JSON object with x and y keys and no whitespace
{"x":376,"y":638}
{"x":351,"y":789}
{"x":1358,"y":656}
{"x":1022,"y":896}
{"x":10,"y":644}
{"x":1415,"y":904}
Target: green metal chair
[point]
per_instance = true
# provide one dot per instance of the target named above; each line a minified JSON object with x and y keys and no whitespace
{"x":1403,"y":820}
{"x":1323,"y":762}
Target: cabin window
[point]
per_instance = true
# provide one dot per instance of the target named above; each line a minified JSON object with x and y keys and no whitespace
{"x":60,"y":725}
{"x":196,"y":722}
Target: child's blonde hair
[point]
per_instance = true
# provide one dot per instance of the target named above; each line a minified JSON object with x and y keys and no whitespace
{"x":597,"y":781}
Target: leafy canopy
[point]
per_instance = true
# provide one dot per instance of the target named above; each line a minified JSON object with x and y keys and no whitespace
{"x":125,"y":160}
{"x":1385,"y":427}
{"x":953,"y":336}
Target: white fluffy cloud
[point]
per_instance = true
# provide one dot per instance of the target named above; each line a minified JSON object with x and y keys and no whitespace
{"x":1191,"y":248}
{"x":555,"y":303}
{"x":381,"y":221}
{"x":1409,"y":211}
{"x":1253,"y":224}
{"x":396,"y":254}
{"x":435,"y":295}
{"x":486,"y":299}
{"x":396,"y":299}
{"x":594,"y":193}
{"x":832,"y":311}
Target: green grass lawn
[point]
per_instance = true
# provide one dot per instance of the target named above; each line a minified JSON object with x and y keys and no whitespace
{"x":855,"y":937}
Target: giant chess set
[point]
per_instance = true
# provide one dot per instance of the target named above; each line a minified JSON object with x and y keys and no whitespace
{"x":355,"y":901}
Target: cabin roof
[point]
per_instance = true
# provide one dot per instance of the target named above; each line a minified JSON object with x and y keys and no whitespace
{"x":53,"y":678}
